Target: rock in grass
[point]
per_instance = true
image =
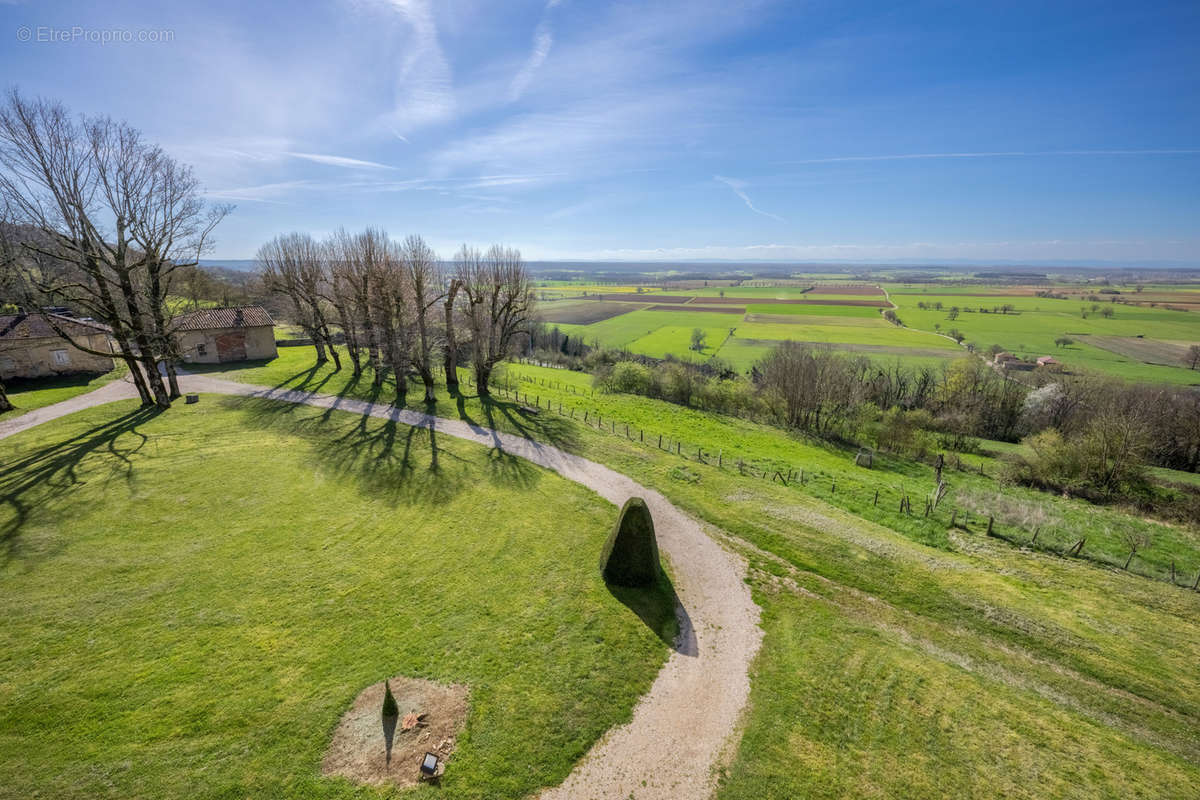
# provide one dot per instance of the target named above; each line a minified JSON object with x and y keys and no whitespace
{"x":630,"y":556}
{"x":390,"y":709}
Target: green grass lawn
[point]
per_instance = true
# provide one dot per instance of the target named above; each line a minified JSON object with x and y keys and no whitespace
{"x":901,"y":659}
{"x":193,"y":598}
{"x":31,"y":393}
{"x":762,"y":447}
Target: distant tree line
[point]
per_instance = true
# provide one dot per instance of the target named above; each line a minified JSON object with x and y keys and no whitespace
{"x":1087,"y":434}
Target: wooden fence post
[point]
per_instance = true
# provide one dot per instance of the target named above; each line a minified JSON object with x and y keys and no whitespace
{"x":954,"y":518}
{"x":989,"y":530}
{"x":660,"y":441}
{"x":876,"y":502}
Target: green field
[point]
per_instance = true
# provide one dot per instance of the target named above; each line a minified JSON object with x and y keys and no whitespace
{"x":1029,"y":330}
{"x":849,"y":312}
{"x":659,"y":333}
{"x":193,"y":598}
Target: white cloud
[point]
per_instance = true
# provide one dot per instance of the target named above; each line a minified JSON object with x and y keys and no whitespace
{"x":425,"y":83}
{"x":338,"y":161}
{"x":738,"y":188}
{"x":542,"y":42}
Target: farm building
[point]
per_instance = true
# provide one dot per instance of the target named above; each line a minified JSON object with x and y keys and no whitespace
{"x":1009,"y":361}
{"x":215,"y":335}
{"x":1049,"y":362}
{"x":30,"y":347}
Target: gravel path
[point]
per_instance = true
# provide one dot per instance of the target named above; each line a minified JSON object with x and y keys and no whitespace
{"x":688,"y":721}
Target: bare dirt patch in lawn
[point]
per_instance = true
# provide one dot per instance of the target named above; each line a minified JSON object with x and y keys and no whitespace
{"x":1150,"y":351}
{"x":368,"y":749}
{"x":761,"y":301}
{"x":846,"y":290}
{"x":585,"y":312}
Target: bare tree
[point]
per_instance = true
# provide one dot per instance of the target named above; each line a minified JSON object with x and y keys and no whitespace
{"x":105,"y":216}
{"x":423,"y":274}
{"x":466,"y":261}
{"x":357,"y":259}
{"x":173,"y":228}
{"x":1135,"y":540}
{"x":390,"y":306}
{"x":500,"y":302}
{"x":1192,"y":359}
{"x":345,"y":294}
{"x":294,"y":266}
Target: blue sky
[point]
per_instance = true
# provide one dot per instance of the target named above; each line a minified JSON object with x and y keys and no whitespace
{"x":672,"y":130}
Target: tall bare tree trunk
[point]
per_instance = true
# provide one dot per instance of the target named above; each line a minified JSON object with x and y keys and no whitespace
{"x":451,"y":356}
{"x":172,"y":379}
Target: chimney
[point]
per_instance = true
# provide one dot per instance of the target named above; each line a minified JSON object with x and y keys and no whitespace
{"x":238,"y":319}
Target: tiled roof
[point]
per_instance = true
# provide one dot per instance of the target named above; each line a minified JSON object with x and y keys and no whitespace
{"x":209,"y":318}
{"x":14,"y":327}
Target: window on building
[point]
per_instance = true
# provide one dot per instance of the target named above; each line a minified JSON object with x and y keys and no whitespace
{"x":60,"y":357}
{"x":202,"y":349}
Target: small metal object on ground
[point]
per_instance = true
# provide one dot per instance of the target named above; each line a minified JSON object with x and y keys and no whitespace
{"x":192,"y":398}
{"x":431,"y":767}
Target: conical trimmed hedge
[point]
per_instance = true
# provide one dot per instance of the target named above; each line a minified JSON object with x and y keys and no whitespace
{"x":630,"y":556}
{"x":390,"y":709}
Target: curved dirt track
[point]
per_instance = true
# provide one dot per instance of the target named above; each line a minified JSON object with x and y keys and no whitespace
{"x":685,"y":725}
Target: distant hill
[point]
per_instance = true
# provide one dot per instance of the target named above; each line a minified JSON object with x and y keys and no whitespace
{"x":235,"y":264}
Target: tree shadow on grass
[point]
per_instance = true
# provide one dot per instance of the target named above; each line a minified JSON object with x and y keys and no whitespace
{"x":536,"y":425}
{"x":36,"y":482}
{"x":390,"y":460}
{"x":660,"y":609}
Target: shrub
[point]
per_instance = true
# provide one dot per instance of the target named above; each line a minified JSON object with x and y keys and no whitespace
{"x":630,"y":556}
{"x":630,"y":377}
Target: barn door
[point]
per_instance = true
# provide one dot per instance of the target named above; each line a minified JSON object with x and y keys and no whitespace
{"x":231,"y":346}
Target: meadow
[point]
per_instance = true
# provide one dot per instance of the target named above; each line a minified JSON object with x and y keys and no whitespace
{"x":1138,"y":342}
{"x":903,"y":657}
{"x":1031,"y":329}
{"x":193,"y":598}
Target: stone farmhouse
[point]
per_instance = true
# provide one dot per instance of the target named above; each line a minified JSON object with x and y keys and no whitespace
{"x":217,"y":335}
{"x":30,"y":347}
